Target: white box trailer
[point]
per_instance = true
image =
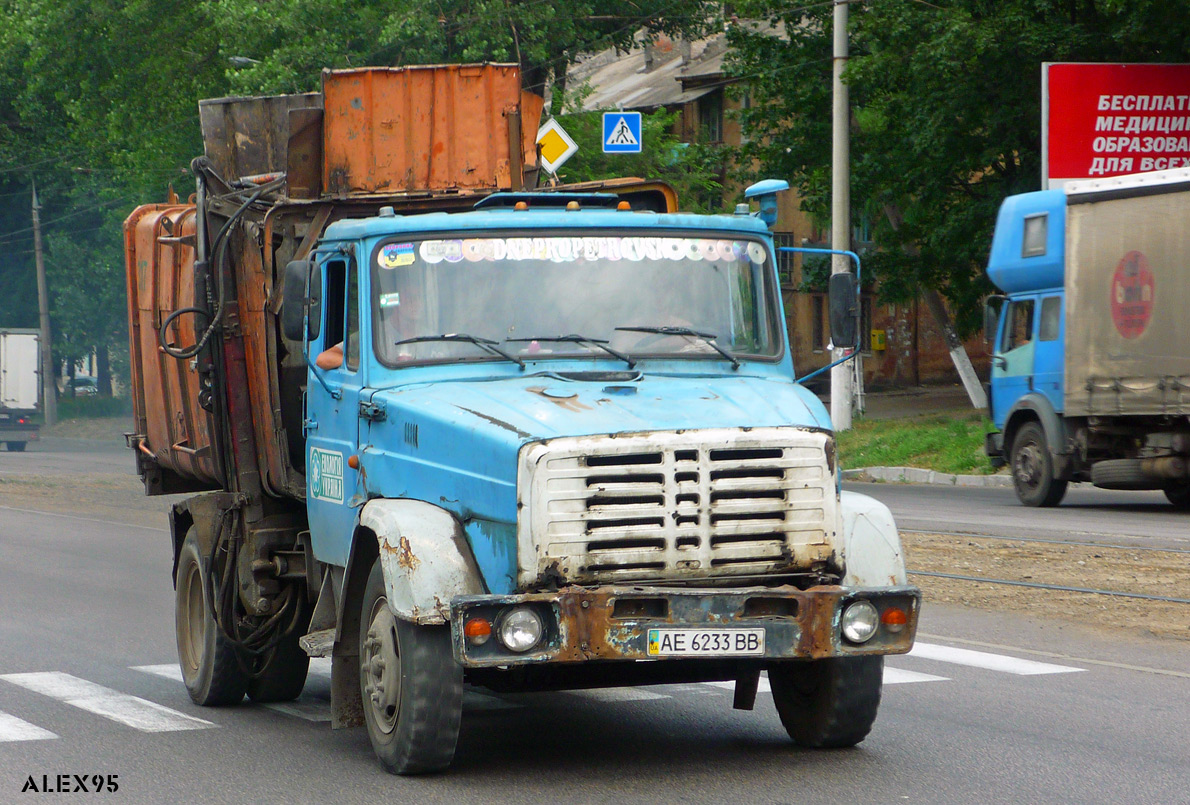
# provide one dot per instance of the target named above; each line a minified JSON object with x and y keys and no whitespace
{"x":20,"y":387}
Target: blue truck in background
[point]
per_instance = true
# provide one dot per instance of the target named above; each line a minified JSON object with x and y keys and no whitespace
{"x":515,"y":438}
{"x":1090,"y":377}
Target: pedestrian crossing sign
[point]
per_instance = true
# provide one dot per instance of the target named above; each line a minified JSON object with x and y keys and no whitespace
{"x":621,"y":133}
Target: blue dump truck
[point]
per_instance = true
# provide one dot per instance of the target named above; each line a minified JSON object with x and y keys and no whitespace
{"x":491,"y":435}
{"x":1090,"y":372}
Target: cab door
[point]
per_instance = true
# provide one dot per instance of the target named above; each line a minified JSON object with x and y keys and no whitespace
{"x":1012,"y":363}
{"x":1049,"y":360}
{"x":332,"y":416}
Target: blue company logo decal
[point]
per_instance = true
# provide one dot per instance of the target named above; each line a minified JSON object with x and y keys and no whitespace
{"x":621,"y":133}
{"x":326,"y":475}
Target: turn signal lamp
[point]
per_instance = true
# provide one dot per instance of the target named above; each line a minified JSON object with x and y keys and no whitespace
{"x":521,"y":205}
{"x":477,"y":631}
{"x":894,"y":619}
{"x":572,"y":205}
{"x":624,"y":206}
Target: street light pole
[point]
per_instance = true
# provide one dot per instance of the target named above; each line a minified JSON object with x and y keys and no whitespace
{"x":48,"y":386}
{"x":841,"y":386}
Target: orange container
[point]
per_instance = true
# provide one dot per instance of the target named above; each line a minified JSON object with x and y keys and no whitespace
{"x":440,"y":127}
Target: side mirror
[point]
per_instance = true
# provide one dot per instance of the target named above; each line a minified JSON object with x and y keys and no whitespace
{"x":844,"y":310}
{"x":301,"y":294}
{"x":991,"y":318}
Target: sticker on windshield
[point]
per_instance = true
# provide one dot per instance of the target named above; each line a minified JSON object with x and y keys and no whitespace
{"x":390,"y":299}
{"x":580,"y":250}
{"x":326,"y":475}
{"x":395,"y":255}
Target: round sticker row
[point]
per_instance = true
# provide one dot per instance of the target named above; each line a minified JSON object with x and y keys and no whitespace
{"x":572,"y":249}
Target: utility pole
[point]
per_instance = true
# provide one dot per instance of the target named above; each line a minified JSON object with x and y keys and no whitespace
{"x":841,"y":386}
{"x":48,"y":386}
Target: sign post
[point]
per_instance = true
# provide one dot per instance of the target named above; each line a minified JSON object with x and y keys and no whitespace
{"x":622,"y":133}
{"x":555,"y":145}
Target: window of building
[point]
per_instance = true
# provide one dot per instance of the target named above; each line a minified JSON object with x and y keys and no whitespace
{"x":1036,"y":228}
{"x":818,"y":322}
{"x":785,"y":265}
{"x":710,"y":117}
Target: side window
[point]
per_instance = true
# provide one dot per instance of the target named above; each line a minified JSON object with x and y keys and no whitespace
{"x":1036,"y":231}
{"x":351,"y":348}
{"x":333,"y":303}
{"x":1019,"y":327}
{"x":1051,"y":315}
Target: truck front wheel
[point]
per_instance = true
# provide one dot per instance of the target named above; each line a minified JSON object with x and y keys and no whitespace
{"x":828,"y":704}
{"x":411,"y":686}
{"x":1033,"y":468}
{"x":210,"y":668}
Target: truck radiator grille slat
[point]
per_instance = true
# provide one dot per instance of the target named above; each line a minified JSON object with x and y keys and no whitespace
{"x":707,"y":503}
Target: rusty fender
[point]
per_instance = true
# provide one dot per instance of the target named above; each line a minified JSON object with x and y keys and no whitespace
{"x":612,"y":623}
{"x":425,"y":558}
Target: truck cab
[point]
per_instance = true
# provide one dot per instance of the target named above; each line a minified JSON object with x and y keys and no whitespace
{"x":563,"y":440}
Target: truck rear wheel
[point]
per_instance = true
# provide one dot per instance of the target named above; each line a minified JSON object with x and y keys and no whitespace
{"x":1179,"y":496}
{"x":210,"y":668}
{"x":828,"y":704}
{"x":1033,"y":468}
{"x":411,"y":686}
{"x":284,"y":676}
{"x":16,"y":447}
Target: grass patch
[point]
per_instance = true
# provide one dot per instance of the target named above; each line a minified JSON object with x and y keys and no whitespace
{"x":93,"y":407}
{"x":951,"y":443}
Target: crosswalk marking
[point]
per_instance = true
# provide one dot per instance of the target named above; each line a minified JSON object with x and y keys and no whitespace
{"x":900,"y":676}
{"x":14,"y":729}
{"x":619,"y":694}
{"x":988,"y":661}
{"x":169,"y":671}
{"x":133,"y":711}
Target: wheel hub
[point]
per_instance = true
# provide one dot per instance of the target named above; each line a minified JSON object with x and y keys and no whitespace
{"x":1027,"y":468}
{"x":380,"y":664}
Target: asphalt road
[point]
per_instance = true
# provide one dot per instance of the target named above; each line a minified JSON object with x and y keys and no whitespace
{"x":1086,"y":513}
{"x":988,"y":709}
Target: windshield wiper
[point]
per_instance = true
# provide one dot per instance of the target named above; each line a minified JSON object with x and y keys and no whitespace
{"x":483,"y":343}
{"x":709,"y":338}
{"x":575,"y":338}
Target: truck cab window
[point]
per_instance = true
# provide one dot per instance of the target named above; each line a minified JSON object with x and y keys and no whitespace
{"x":1051,"y":315}
{"x":1036,"y":231}
{"x":351,"y":347}
{"x":1019,"y":327}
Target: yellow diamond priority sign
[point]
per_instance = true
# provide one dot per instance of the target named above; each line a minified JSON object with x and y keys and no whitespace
{"x":556,"y":145}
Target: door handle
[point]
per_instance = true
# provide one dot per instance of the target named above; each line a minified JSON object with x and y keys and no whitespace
{"x":309,"y":425}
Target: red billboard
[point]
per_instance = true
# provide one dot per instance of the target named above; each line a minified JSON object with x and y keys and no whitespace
{"x":1111,"y":119}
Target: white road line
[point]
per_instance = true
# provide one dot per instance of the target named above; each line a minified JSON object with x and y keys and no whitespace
{"x":169,"y":671}
{"x":14,"y":729}
{"x":133,"y":711}
{"x":761,"y":687}
{"x":990,"y":662}
{"x":899,"y":676}
{"x":308,"y":708}
{"x":611,"y":695}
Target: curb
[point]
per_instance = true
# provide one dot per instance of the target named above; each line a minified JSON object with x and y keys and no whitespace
{"x":913,"y":475}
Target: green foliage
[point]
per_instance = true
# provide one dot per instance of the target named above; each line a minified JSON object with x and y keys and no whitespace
{"x":942,"y":443}
{"x":946,"y":114}
{"x":695,"y":171}
{"x":89,"y":407}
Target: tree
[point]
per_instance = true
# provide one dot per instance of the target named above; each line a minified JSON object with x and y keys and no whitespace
{"x":946,"y":121}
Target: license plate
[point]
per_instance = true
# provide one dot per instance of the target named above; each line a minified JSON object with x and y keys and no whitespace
{"x":706,"y":642}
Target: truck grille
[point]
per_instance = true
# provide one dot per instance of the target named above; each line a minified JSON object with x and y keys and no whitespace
{"x":677,"y":505}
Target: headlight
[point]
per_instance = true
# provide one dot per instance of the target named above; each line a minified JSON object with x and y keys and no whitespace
{"x":520,"y":629}
{"x":859,"y":622}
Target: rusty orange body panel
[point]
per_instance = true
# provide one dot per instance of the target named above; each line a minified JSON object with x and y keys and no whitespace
{"x":424,"y":128}
{"x":159,"y":259}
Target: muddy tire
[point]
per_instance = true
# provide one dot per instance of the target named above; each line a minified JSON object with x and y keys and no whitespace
{"x":210,"y":670}
{"x":1179,"y":496}
{"x":16,"y":447}
{"x":411,"y":686}
{"x":1032,"y":468}
{"x":284,"y":677}
{"x":828,"y":704}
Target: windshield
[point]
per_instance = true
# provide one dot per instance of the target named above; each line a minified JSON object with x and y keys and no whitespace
{"x":522,"y":293}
